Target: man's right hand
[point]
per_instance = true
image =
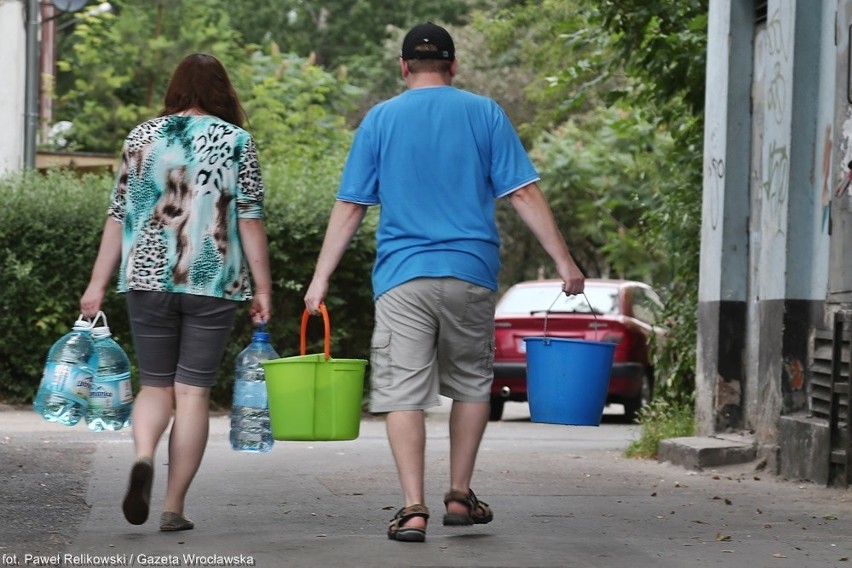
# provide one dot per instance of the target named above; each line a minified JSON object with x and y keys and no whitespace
{"x":315,"y":295}
{"x":573,"y":280}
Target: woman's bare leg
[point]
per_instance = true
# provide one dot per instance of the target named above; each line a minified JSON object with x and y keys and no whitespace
{"x":152,"y":411}
{"x":187,"y":442}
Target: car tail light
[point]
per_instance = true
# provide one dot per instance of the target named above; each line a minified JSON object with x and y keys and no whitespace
{"x":622,"y":344}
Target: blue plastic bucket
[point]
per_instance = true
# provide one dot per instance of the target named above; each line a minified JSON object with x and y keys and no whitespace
{"x":567,"y":380}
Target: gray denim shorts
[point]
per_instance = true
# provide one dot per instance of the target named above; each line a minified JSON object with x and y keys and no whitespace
{"x":179,"y":337}
{"x":432,"y":335}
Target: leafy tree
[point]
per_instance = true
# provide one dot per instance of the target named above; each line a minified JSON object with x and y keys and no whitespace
{"x":296,"y":109}
{"x":558,"y":41}
{"x":600,"y":175}
{"x":599,"y":163}
{"x":336,"y":31}
{"x":625,"y":181}
{"x":662,"y":46}
{"x":118,"y":65}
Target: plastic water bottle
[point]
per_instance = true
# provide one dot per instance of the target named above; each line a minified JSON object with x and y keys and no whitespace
{"x":111,"y":396}
{"x":250,"y":427}
{"x":63,"y":393}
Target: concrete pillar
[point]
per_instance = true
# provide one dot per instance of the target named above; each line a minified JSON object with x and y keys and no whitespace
{"x":725,"y":208}
{"x":12,"y":91}
{"x":809,"y":198}
{"x":840,"y":276}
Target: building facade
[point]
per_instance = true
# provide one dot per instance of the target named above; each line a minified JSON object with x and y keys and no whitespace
{"x":776,"y":238}
{"x":13,"y":71}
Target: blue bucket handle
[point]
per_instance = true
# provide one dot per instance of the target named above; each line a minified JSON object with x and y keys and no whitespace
{"x":591,"y":309}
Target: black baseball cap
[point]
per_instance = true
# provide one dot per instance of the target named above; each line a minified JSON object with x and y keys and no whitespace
{"x":428,"y":34}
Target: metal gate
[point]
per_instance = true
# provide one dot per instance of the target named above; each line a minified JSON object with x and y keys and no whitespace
{"x":839,"y":409}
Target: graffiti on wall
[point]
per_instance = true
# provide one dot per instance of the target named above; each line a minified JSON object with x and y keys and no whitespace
{"x":776,"y":186}
{"x":777,"y":44}
{"x":777,"y":159}
{"x":716,"y":177}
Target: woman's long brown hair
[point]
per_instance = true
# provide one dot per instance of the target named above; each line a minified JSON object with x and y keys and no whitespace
{"x":200,"y":81}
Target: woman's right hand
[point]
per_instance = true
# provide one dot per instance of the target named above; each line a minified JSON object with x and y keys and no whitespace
{"x":261,"y":308}
{"x":90,"y":302}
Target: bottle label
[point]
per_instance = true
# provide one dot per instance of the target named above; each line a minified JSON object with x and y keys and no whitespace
{"x":111,"y":391}
{"x":70,"y":381}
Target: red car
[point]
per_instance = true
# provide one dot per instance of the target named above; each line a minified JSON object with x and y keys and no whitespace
{"x":625,"y":312}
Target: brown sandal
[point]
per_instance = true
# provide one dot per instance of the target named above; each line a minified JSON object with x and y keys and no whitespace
{"x":408,"y":534}
{"x":478,"y":512}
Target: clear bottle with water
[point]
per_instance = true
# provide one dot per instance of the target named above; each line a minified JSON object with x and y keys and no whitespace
{"x":250,"y":427}
{"x":111,"y":396}
{"x":63,"y":393}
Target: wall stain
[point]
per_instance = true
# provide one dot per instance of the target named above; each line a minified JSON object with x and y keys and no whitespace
{"x":796,"y":373}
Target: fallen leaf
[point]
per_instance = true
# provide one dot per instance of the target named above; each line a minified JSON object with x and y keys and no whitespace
{"x":830,"y":517}
{"x":778,"y":555}
{"x":727,"y":501}
{"x":722,"y":537}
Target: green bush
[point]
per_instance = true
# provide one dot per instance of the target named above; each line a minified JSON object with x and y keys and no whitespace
{"x":50,"y":229}
{"x":660,"y":420}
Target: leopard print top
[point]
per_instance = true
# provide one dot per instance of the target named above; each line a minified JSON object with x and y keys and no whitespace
{"x":182,"y":184}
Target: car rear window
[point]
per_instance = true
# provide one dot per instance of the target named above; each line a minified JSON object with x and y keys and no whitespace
{"x":530,"y":300}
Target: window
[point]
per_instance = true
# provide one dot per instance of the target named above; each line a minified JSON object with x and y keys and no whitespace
{"x":647,"y":306}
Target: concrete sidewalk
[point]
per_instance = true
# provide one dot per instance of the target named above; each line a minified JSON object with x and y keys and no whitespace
{"x":562,"y":496}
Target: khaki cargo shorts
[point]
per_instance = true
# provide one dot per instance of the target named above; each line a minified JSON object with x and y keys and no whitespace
{"x":432,"y":335}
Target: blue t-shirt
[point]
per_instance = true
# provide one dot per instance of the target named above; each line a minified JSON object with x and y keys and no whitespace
{"x":436,"y":159}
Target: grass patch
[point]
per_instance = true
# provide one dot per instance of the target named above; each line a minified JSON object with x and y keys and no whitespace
{"x":661,"y":420}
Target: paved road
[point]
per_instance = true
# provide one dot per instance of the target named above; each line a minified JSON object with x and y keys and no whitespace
{"x":563,"y":497}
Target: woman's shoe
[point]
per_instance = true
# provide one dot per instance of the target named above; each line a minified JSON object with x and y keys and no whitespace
{"x":175,"y":522}
{"x":137,"y":500}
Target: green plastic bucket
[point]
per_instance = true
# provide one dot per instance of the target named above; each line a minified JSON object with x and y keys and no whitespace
{"x":314,"y":397}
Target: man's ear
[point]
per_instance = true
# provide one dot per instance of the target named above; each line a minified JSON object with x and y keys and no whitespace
{"x":454,"y":67}
{"x":403,"y":67}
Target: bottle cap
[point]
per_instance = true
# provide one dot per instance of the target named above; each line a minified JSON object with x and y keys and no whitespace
{"x":101,"y":331}
{"x":260,"y":336}
{"x":82,"y":324}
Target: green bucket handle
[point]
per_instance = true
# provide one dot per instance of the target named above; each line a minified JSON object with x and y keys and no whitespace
{"x":303,"y":344}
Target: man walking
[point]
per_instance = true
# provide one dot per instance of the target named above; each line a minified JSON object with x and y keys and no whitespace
{"x":436,"y":159}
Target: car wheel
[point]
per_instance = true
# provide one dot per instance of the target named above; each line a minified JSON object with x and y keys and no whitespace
{"x":497,"y":405}
{"x":634,"y":405}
